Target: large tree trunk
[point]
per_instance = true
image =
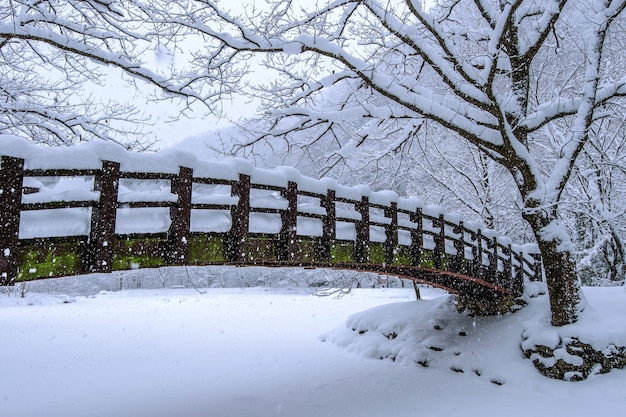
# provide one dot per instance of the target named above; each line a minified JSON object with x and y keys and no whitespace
{"x":559,"y":267}
{"x":563,"y":284}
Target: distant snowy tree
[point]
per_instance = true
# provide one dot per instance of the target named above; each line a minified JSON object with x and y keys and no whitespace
{"x":495,"y":72}
{"x":54,"y":52}
{"x":598,"y":195}
{"x":456,"y":174}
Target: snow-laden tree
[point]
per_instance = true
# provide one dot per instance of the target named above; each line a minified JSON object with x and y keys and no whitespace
{"x":495,"y":72}
{"x":55,"y":57}
{"x":458,"y":176}
{"x":598,"y":191}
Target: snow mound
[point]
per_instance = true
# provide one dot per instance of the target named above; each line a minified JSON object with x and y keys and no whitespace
{"x":426,"y":333}
{"x":433,"y":334}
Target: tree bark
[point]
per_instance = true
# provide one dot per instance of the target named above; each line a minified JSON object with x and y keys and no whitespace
{"x":560,"y":270}
{"x":563,"y":284}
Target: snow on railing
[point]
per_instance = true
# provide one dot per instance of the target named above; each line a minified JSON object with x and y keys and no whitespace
{"x":101,"y":193}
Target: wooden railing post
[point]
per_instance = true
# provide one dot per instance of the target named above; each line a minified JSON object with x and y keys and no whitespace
{"x":391,"y":232}
{"x":11,"y":180}
{"x":507,"y":274}
{"x":516,"y":282}
{"x":289,"y":221}
{"x":493,"y":260}
{"x":440,"y":242}
{"x":477,"y":253}
{"x":362,"y":244}
{"x":519,"y":271}
{"x":329,"y":226}
{"x":537,"y":267}
{"x":518,"y":267}
{"x":459,"y":246}
{"x":180,"y":227}
{"x":417,"y":237}
{"x":102,"y":234}
{"x":238,"y":235}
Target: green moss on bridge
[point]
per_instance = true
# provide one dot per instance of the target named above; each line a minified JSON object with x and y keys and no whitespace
{"x":342,"y":252}
{"x":137,"y":252}
{"x":206,"y":249}
{"x":55,"y":257}
{"x":53,"y":264}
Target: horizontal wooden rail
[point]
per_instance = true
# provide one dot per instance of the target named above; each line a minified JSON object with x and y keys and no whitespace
{"x":417,"y":240}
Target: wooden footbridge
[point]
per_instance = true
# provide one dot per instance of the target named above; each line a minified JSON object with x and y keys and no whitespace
{"x":59,"y":221}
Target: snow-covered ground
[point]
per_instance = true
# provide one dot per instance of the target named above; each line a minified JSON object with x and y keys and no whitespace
{"x":277,"y":352}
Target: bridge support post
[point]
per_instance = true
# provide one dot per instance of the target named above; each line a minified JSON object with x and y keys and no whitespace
{"x":11,"y":181}
{"x":286,"y":250}
{"x":362,"y":244}
{"x":180,"y":227}
{"x":329,"y":226}
{"x":240,"y":215}
{"x":102,"y":234}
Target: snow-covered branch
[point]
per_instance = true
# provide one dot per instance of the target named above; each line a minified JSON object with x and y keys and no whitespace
{"x":52,"y":53}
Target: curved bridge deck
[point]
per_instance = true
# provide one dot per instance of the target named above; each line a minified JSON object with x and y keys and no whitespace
{"x":242,"y":219}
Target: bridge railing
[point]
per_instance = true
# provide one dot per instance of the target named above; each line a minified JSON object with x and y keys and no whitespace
{"x":181,"y":219}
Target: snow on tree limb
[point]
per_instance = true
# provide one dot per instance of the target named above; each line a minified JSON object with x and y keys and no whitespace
{"x":65,"y":43}
{"x":130,"y":67}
